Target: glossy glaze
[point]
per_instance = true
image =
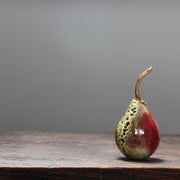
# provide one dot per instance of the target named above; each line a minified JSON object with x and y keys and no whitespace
{"x":137,"y":134}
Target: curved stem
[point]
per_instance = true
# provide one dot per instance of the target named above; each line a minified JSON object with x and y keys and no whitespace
{"x":147,"y":71}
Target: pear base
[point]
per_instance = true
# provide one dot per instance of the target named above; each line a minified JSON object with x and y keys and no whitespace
{"x":137,"y":154}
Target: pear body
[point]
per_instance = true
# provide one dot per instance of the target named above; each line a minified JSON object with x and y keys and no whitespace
{"x":137,"y":134}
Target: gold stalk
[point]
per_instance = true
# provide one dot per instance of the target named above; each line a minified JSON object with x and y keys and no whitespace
{"x":147,"y":71}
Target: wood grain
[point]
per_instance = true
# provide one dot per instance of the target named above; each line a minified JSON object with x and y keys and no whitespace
{"x":58,"y":155}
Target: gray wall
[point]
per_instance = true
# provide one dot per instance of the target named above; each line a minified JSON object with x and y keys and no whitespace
{"x":72,"y":65}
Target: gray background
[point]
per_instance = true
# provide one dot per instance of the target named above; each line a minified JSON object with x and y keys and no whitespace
{"x":72,"y":65}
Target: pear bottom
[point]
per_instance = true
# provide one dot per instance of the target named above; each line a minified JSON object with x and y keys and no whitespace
{"x":137,"y":154}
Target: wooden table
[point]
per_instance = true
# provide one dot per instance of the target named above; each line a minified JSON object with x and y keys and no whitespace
{"x":58,"y":155}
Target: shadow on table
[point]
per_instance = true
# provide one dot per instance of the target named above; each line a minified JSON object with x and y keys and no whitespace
{"x":149,"y":160}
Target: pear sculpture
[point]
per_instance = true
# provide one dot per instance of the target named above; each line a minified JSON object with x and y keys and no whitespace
{"x":137,"y":134}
